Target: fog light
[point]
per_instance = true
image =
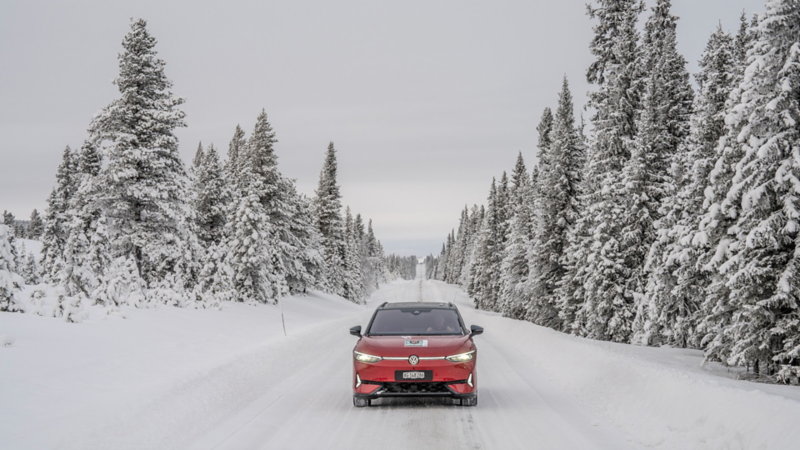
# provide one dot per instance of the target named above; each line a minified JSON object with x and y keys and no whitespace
{"x":469,"y":380}
{"x":358,"y":380}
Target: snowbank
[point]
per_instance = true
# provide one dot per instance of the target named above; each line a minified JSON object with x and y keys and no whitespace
{"x":60,"y":378}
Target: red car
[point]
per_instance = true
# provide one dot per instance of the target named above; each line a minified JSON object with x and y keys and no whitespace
{"x":415,"y":350}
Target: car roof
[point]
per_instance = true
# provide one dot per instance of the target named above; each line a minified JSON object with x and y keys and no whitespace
{"x":405,"y":305}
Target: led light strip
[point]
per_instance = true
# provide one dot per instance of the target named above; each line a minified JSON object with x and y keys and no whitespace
{"x":405,"y":358}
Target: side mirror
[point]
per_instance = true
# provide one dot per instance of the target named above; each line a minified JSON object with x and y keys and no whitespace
{"x":356,"y":330}
{"x":476,"y":330}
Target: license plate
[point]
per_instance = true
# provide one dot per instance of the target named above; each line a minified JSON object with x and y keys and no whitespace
{"x":413,"y":375}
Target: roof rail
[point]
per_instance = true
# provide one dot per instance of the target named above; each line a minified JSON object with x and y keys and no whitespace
{"x":383,"y":304}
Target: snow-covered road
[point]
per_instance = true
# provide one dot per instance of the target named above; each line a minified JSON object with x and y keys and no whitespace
{"x":170,"y":378}
{"x":518,"y":407}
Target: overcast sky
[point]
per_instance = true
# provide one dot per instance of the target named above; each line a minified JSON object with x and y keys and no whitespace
{"x":425,"y":101}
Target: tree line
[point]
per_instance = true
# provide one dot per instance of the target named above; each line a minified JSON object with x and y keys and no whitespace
{"x":128,"y":224}
{"x":675,"y":221}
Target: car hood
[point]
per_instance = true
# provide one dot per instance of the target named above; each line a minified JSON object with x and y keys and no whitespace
{"x":387,"y":346}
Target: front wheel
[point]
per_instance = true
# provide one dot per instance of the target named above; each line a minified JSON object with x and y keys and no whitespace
{"x":360,"y":402}
{"x":469,"y":401}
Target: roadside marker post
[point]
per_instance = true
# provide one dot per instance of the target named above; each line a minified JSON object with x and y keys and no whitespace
{"x":283,"y":322}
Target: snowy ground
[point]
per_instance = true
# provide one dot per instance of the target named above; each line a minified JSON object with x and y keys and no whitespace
{"x":172,"y":378}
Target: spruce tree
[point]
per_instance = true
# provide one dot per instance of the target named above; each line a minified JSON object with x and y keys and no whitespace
{"x":236,"y":148}
{"x":83,"y":261}
{"x":721,"y":206}
{"x":599,"y":266}
{"x":328,"y":212}
{"x":54,"y":235}
{"x":30,"y":270}
{"x":36,"y":226}
{"x":9,"y":219}
{"x":16,"y":259}
{"x":212,"y":198}
{"x":10,"y":282}
{"x":144,"y":189}
{"x":662,"y":127}
{"x":762,"y":259}
{"x":515,"y":266}
{"x":556,"y":212}
{"x":252,"y":248}
{"x":353,"y":277}
{"x":484,"y":285}
{"x":300,"y":241}
{"x":199,"y":156}
{"x":677,"y":286}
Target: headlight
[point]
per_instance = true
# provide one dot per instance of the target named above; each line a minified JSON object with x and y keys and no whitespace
{"x":365,"y":358}
{"x":461,"y":357}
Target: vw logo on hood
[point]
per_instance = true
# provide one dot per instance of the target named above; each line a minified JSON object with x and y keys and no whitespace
{"x":413,"y":360}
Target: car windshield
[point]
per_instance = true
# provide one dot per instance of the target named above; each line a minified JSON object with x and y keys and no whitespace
{"x":415,"y":321}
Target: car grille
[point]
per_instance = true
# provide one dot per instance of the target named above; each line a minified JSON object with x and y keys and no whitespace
{"x":415,"y":388}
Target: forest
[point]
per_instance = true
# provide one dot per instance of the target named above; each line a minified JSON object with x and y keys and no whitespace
{"x":671,"y":217}
{"x":127,"y":223}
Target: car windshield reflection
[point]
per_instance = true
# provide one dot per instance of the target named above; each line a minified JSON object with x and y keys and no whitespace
{"x":416,"y":322}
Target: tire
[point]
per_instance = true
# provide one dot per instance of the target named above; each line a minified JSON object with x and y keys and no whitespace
{"x":360,"y":402}
{"x":469,"y":401}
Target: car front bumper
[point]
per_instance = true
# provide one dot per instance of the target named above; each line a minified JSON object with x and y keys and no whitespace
{"x":452,"y":389}
{"x":456,"y":380}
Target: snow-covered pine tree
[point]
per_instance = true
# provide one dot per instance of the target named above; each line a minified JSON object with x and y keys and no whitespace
{"x":300,"y":241}
{"x":462,"y":242}
{"x":676,"y":286}
{"x":10,"y":282}
{"x":662,"y":127}
{"x":374,"y":265}
{"x":9,"y":219}
{"x":485,"y":272}
{"x":452,"y":257}
{"x":82,"y":266}
{"x":504,"y":213}
{"x":212,"y":198}
{"x":236,"y":153}
{"x":441,"y":263}
{"x":514,"y":268}
{"x":599,"y":272}
{"x":144,"y":189}
{"x":360,"y":230}
{"x":199,"y":156}
{"x":328,"y":213}
{"x":762,"y":261}
{"x":353,"y":276}
{"x":30,"y":269}
{"x":744,"y":41}
{"x":16,"y":260}
{"x":36,"y":226}
{"x":475,"y":267}
{"x":535,"y":310}
{"x":448,"y":257}
{"x":215,"y":283}
{"x":557,"y":210}
{"x":263,"y":161}
{"x":120,"y":285}
{"x":55,"y":233}
{"x":475,"y":223}
{"x":456,"y":260}
{"x":251,"y":246}
{"x":722,"y":206}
